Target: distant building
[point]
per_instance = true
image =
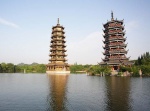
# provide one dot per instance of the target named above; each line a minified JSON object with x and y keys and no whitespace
{"x":114,"y":44}
{"x":57,"y":64}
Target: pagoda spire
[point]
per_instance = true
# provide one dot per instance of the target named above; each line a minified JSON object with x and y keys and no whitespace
{"x":58,"y":21}
{"x":112,"y":17}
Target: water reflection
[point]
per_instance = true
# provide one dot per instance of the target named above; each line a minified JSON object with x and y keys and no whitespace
{"x":118,"y":93}
{"x":57,"y":93}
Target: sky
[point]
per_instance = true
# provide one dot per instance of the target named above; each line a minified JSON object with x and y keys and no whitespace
{"x":26,"y":26}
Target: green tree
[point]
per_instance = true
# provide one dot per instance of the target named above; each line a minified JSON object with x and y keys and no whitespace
{"x":10,"y":68}
{"x":1,"y":69}
{"x":4,"y":67}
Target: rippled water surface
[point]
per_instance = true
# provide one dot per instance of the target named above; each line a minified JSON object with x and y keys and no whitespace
{"x":41,"y":92}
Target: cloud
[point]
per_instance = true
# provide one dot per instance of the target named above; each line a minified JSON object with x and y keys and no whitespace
{"x":86,"y":51}
{"x":8,"y":23}
{"x":131,"y":26}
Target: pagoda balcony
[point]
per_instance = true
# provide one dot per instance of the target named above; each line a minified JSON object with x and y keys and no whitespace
{"x":118,"y":51}
{"x":116,"y":38}
{"x":114,"y":46}
{"x":58,"y":39}
{"x":114,"y":25}
{"x":57,"y":26}
{"x":55,"y":40}
{"x":61,"y":49}
{"x":61,"y":59}
{"x":60,"y":44}
{"x":55,"y":49}
{"x":119,"y":58}
{"x":57,"y":44}
{"x":115,"y":52}
{"x":57,"y":30}
{"x":113,"y":22}
{"x":114,"y":28}
{"x":57,"y":35}
{"x":59,"y":54}
{"x":117,"y":44}
{"x":115,"y":31}
{"x":111,"y":31}
{"x":57,"y":59}
{"x":54,"y":32}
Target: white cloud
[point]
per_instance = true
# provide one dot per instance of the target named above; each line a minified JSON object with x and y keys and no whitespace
{"x":86,"y":51}
{"x":131,"y":26}
{"x":8,"y":23}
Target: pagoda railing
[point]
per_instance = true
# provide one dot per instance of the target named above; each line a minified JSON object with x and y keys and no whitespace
{"x":60,"y":49}
{"x":117,"y":44}
{"x":58,"y":39}
{"x":57,"y":26}
{"x":61,"y":59}
{"x":54,"y":54}
{"x":114,"y":38}
{"x":57,"y":59}
{"x":58,"y":29}
{"x":114,"y":32}
{"x":54,"y":32}
{"x":53,"y":44}
{"x":57,"y":35}
{"x":115,"y":25}
{"x":115,"y":51}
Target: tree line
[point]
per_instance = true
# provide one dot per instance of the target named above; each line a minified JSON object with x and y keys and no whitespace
{"x":142,"y":63}
{"x":21,"y":68}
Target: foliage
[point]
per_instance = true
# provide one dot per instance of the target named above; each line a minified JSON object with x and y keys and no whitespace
{"x":135,"y":70}
{"x":74,"y":68}
{"x":96,"y":69}
{"x":144,"y":59}
{"x":142,"y":63}
{"x":145,"y":69}
{"x":30,"y":68}
{"x":124,"y":69}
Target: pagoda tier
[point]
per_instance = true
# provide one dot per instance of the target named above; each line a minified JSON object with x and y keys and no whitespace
{"x":57,"y":51}
{"x":115,"y":46}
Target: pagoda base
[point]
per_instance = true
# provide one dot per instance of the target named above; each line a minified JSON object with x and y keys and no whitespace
{"x":58,"y":72}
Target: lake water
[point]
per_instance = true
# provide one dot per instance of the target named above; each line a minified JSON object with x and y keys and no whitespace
{"x":41,"y":92}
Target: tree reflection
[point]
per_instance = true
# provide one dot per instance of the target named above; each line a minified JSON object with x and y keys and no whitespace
{"x":57,"y":93}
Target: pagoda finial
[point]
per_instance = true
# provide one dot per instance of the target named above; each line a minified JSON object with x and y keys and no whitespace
{"x":112,"y":17}
{"x":58,"y":21}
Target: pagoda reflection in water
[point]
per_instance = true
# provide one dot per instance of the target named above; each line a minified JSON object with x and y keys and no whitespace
{"x":57,"y":97}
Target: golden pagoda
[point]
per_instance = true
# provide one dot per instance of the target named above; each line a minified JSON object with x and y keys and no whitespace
{"x":57,"y":62}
